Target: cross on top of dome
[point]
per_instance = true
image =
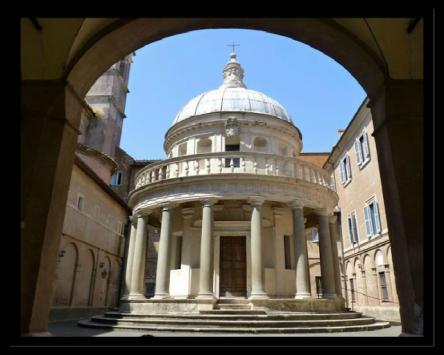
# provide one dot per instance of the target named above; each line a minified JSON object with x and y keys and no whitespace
{"x":233,"y":72}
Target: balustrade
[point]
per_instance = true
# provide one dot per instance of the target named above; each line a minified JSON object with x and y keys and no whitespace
{"x":233,"y":162}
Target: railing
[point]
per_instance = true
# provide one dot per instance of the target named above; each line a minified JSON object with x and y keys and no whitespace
{"x":232,"y":162}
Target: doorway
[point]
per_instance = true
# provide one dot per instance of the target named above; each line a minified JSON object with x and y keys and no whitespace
{"x":233,"y":267}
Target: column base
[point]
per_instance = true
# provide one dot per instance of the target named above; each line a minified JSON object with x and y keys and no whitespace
{"x":135,"y":296}
{"x":302,"y":295}
{"x":205,"y":296}
{"x":161,"y":296}
{"x":258,"y":296}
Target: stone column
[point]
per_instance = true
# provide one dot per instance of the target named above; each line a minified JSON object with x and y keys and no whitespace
{"x":206,"y":251}
{"x":257,"y":277}
{"x":334,"y":247}
{"x":138,"y":266}
{"x":398,"y":120}
{"x":129,"y":257}
{"x":48,"y":131}
{"x":300,"y":252}
{"x":326,"y":256}
{"x":163,"y":262}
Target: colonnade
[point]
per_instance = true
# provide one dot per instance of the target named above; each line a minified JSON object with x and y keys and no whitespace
{"x":134,"y":276}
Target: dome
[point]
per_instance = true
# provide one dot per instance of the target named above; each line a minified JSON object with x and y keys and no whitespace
{"x":232,"y":96}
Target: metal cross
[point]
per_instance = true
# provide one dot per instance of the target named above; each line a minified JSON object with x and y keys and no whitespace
{"x":233,"y":45}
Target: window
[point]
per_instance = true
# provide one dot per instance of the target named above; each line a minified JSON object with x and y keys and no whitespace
{"x":80,"y":202}
{"x":178,"y":260}
{"x":352,"y":228}
{"x":234,"y":161}
{"x":318,"y":280}
{"x":287,"y":250}
{"x":362,"y":150}
{"x":383,"y":285}
{"x":314,"y":235}
{"x":345,"y":170}
{"x":372,"y":221}
{"x":116,"y":179}
{"x":352,"y":290}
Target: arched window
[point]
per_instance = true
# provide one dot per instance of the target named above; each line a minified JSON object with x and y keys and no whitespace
{"x":117,"y":178}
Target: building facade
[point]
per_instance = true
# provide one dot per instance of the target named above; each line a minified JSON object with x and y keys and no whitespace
{"x":92,"y":246}
{"x":368,"y":276}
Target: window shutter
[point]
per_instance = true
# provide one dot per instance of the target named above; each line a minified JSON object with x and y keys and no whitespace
{"x":348,"y":168}
{"x":350,"y":230}
{"x":366,"y":147}
{"x":368,"y":226}
{"x":377,"y":221}
{"x":355,"y":228}
{"x":342,"y":171}
{"x":358,"y":151}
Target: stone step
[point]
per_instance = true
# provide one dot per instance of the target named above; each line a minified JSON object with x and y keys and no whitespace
{"x":233,"y":300}
{"x":233,"y":311}
{"x":233,"y":306}
{"x":322,"y":329}
{"x":257,"y":323}
{"x":240,"y":316}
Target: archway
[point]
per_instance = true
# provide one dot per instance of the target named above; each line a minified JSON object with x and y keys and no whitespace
{"x":57,"y":104}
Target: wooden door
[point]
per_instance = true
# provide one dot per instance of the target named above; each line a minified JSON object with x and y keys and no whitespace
{"x":233,"y":267}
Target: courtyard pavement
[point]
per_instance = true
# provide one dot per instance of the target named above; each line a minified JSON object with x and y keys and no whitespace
{"x":71,"y":329}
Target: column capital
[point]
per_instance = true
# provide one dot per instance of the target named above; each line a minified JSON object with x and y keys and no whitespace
{"x":210,"y":201}
{"x":296,"y":204}
{"x":332,"y":219}
{"x":321,"y":212}
{"x":257,"y":200}
{"x":167,"y":206}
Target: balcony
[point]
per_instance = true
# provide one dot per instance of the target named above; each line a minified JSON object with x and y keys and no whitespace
{"x":232,"y":163}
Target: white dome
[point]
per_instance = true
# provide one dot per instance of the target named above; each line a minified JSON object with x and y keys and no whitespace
{"x":232,"y":99}
{"x":232,"y":96}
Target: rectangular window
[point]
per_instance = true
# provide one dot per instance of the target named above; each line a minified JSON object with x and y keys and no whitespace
{"x":362,"y":149}
{"x":352,"y":228}
{"x":117,"y":178}
{"x":352,"y":290}
{"x":383,"y":285}
{"x":287,"y":251}
{"x":318,"y":280}
{"x":372,"y":221}
{"x":80,"y":200}
{"x":178,"y":253}
{"x":234,"y":161}
{"x":345,"y":170}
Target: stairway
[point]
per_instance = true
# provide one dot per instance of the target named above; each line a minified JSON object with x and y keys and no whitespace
{"x":237,"y":316}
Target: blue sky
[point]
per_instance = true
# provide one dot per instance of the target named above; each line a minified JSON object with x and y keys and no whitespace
{"x":318,"y":93}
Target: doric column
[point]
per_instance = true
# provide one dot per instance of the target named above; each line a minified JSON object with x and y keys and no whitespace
{"x":138,"y":265}
{"x":130,"y":256}
{"x":206,"y":250}
{"x":326,"y":256}
{"x":300,"y":252}
{"x":257,"y":277}
{"x":334,"y":247}
{"x":163,"y":265}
